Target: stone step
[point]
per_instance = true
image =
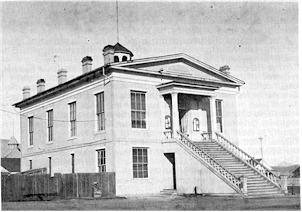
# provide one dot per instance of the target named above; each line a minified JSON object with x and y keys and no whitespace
{"x":168,"y":192}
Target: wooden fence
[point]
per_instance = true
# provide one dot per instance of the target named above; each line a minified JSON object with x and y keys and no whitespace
{"x":20,"y":187}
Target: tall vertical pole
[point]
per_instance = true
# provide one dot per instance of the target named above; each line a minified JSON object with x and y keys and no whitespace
{"x":117,"y":30}
{"x":260,"y":138}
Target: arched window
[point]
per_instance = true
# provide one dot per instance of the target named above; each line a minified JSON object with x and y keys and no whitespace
{"x":116,"y":59}
{"x":168,"y":122}
{"x":195,"y":124}
{"x":124,"y":58}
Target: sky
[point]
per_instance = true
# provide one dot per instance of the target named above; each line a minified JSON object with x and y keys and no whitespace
{"x":257,"y":40}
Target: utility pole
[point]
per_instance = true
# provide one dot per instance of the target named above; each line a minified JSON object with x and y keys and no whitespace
{"x":260,"y":138}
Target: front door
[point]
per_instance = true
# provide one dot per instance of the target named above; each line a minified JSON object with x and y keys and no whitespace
{"x":193,"y":120}
{"x":171,"y":158}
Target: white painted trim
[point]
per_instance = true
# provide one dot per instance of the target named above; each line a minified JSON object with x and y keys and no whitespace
{"x":63,"y":96}
{"x":187,"y":91}
{"x":69,"y":123}
{"x":66,"y":148}
{"x":28,"y":136}
{"x":71,"y":101}
{"x":177,"y":56}
{"x":149,"y":165}
{"x":147,"y":110}
{"x":223,"y":90}
{"x":96,"y":157}
{"x":47,"y":135}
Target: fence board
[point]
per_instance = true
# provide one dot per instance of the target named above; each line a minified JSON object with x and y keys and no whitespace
{"x":44,"y":187}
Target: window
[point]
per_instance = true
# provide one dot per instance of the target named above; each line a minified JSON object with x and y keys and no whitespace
{"x":100,"y":112}
{"x":124,"y":58}
{"x":30,"y":164}
{"x":49,"y":165}
{"x":72,"y":119}
{"x":219,"y":115}
{"x":195,"y":124}
{"x":116,"y":59}
{"x":72,"y":163}
{"x":50,"y":125}
{"x":31,"y":130}
{"x":138,"y":109}
{"x":140,"y":162}
{"x":167,"y":122}
{"x":101,"y":160}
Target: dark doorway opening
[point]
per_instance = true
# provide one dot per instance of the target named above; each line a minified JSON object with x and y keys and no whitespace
{"x":171,"y":158}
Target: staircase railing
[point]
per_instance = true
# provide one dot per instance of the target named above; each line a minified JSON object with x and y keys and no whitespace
{"x":210,"y":161}
{"x":247,"y":158}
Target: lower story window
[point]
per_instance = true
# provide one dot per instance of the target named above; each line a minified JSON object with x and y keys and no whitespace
{"x":140,"y":162}
{"x":101,"y":160}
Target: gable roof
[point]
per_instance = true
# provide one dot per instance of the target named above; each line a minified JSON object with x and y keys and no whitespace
{"x":13,"y":153}
{"x":139,"y":64}
{"x":13,"y":141}
{"x":288,"y":170}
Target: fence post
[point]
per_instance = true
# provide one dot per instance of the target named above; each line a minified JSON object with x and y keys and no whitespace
{"x":243,"y":186}
{"x":284,"y":183}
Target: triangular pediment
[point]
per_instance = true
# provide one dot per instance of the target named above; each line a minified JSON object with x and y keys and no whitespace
{"x":180,"y":65}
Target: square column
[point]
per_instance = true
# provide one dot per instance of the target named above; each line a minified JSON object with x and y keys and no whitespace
{"x":213,"y":115}
{"x":175,"y":113}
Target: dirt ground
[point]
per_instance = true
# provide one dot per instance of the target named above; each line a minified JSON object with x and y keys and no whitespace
{"x":162,"y":203}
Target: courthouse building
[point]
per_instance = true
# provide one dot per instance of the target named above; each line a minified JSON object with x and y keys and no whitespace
{"x":155,"y":122}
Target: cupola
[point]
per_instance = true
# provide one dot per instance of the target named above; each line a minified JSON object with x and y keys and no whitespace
{"x":116,"y":53}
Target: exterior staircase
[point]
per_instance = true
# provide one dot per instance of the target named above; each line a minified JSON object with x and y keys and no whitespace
{"x":230,"y":163}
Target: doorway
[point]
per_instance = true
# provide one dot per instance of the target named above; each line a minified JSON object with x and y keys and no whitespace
{"x":171,"y":158}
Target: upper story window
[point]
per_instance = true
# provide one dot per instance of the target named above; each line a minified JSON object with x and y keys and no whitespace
{"x":31,"y":130}
{"x":50,"y":125}
{"x":195,"y":124}
{"x":101,"y":160}
{"x":140,"y":162}
{"x":116,"y":59}
{"x":218,"y":103}
{"x":100,"y":111}
{"x":138,"y":109}
{"x":72,"y":119}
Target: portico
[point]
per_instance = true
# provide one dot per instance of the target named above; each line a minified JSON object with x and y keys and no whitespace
{"x":191,"y":108}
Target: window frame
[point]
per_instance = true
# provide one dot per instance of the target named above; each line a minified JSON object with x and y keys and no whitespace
{"x":49,"y":165}
{"x":144,"y":163}
{"x":141,"y":122}
{"x":196,"y":126}
{"x":72,"y":119}
{"x":101,"y":164}
{"x":31,"y":131}
{"x":100,"y":111}
{"x":50,"y":125}
{"x":72,"y":163}
{"x":219,"y":117}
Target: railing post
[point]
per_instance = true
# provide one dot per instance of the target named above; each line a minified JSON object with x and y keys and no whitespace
{"x":243,"y":186}
{"x":284,"y":183}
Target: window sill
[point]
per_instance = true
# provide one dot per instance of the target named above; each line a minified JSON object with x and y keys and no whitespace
{"x":49,"y":142}
{"x":30,"y":147}
{"x":139,"y":129}
{"x":100,"y":132}
{"x":72,"y":138}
